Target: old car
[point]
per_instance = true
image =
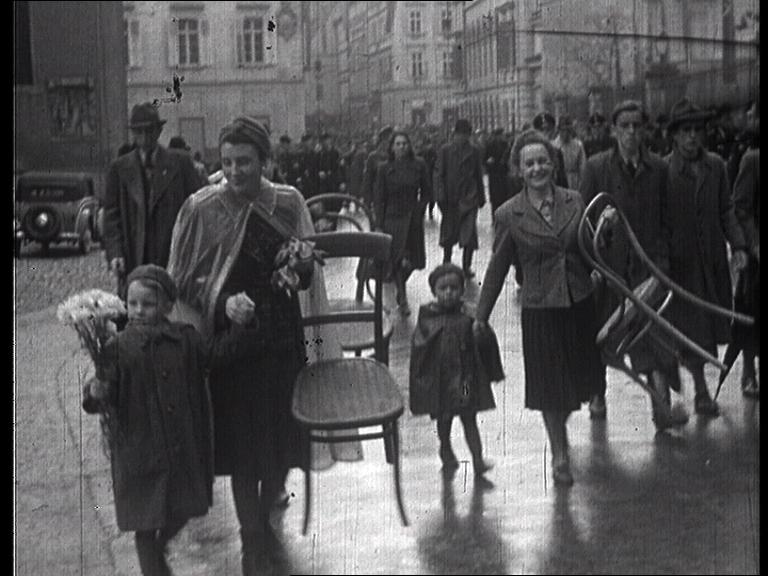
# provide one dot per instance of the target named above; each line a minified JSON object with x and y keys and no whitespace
{"x":56,"y":207}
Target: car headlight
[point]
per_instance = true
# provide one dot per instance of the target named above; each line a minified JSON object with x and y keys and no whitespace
{"x":42,"y":219}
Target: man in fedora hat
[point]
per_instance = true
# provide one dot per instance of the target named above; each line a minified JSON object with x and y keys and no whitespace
{"x":702,"y":220}
{"x":145,"y":189}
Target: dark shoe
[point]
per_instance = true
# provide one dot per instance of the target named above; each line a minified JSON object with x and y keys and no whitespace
{"x":677,"y":417}
{"x":597,"y":408}
{"x":482,"y":467}
{"x":562,"y":475}
{"x":749,"y":387}
{"x":705,"y":405}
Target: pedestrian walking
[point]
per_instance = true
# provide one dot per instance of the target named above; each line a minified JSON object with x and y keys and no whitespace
{"x":450,"y":370}
{"x":377,"y":156}
{"x":702,"y":220}
{"x":402,"y":191}
{"x":152,"y":377}
{"x":144,"y":191}
{"x":496,"y":156}
{"x":460,"y":194}
{"x":537,"y":231}
{"x":224,"y":257}
{"x":637,"y":181}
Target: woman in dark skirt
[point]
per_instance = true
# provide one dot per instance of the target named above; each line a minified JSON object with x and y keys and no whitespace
{"x":403,"y":190}
{"x":536,"y":231}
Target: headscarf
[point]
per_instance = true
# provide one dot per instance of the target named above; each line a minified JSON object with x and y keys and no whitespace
{"x":247,"y":130}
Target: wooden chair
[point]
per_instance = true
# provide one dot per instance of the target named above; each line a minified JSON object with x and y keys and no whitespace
{"x":344,"y":394}
{"x":357,"y":337}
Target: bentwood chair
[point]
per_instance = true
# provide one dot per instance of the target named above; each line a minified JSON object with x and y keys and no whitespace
{"x":356,"y":337}
{"x":345,"y":394}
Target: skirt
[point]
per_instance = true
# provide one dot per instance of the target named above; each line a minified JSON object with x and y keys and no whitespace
{"x":562,"y":362}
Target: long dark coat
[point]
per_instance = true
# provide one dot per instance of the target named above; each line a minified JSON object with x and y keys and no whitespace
{"x":702,"y":219}
{"x":444,"y":352}
{"x":162,"y":458}
{"x":402,"y":190}
{"x":459,"y":192}
{"x":643,"y":198}
{"x":141,"y":234}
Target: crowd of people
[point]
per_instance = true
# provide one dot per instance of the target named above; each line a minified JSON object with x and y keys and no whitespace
{"x":184,"y":250}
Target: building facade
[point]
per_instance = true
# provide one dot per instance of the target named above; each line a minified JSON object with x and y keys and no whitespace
{"x":69,"y":86}
{"x":208,"y":62}
{"x":378,"y":63}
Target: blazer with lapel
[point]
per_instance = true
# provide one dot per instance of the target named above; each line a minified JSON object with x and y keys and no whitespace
{"x":554,"y":273}
{"x":138,"y":232}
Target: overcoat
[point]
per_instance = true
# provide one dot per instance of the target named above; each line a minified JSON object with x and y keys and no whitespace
{"x":161,"y":450}
{"x":702,"y":220}
{"x":402,"y":190}
{"x":133,"y":229}
{"x":431,"y":369}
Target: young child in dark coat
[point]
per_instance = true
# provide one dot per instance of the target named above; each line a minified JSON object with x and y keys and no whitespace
{"x":152,"y":381}
{"x":450,"y":373}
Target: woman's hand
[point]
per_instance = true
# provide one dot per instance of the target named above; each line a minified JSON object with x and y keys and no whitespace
{"x":240,"y":309}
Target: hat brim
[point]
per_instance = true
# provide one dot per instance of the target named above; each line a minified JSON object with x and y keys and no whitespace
{"x":691,"y":118}
{"x":146,"y":123}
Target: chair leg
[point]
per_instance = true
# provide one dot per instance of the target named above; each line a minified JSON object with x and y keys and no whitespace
{"x":307,"y":481}
{"x":389,"y":450}
{"x":396,"y":463}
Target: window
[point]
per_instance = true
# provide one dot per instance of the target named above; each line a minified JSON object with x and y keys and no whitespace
{"x":415,"y":22}
{"x":447,"y":65}
{"x":446,"y":20}
{"x":189,"y":42}
{"x":133,"y":43}
{"x":250,"y":41}
{"x":417,"y":65}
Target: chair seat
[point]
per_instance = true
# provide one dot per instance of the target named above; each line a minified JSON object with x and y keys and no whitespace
{"x":345,"y":393}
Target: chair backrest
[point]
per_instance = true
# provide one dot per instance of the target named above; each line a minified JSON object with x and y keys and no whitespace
{"x":373,"y":246}
{"x":320,"y":198}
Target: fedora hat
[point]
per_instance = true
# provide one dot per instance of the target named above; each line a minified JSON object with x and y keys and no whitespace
{"x":684,"y":111}
{"x":178,"y":143}
{"x":143,"y":115}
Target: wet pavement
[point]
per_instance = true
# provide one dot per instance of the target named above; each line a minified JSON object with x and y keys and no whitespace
{"x":685,"y":501}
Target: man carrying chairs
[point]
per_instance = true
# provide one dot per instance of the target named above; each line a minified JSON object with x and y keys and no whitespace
{"x":637,"y":181}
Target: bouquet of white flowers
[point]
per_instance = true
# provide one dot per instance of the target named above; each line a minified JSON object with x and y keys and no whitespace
{"x":93,"y":315}
{"x":295,"y":257}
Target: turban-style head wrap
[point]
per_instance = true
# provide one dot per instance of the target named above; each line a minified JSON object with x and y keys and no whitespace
{"x":444,"y":270}
{"x":155,"y":276}
{"x":247,"y":130}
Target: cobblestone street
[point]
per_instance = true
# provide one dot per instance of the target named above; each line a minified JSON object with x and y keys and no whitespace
{"x":43,"y":280}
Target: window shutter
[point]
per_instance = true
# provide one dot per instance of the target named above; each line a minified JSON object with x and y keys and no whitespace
{"x":238,"y":34}
{"x":138,"y":53}
{"x":206,"y":48}
{"x":173,"y":44}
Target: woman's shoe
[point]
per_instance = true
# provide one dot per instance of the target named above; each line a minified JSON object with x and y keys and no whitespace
{"x":562,"y":475}
{"x":705,"y":405}
{"x":482,"y":467}
{"x":749,"y":387}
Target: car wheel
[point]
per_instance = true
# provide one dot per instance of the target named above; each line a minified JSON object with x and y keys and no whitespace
{"x":86,"y":241}
{"x":45,"y":248}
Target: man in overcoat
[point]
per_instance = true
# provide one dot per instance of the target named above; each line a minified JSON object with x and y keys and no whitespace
{"x":460,"y":193}
{"x":702,"y":220}
{"x":145,"y":190}
{"x":637,"y":180}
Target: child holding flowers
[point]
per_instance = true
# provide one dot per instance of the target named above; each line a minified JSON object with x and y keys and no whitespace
{"x":151,"y":377}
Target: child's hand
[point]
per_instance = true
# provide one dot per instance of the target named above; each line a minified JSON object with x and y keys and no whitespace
{"x":479,"y":327}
